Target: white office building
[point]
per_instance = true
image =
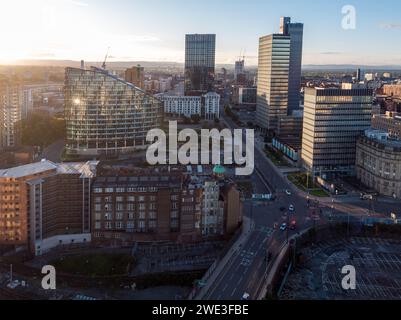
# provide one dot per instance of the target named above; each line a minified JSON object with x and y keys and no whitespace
{"x":206,"y":106}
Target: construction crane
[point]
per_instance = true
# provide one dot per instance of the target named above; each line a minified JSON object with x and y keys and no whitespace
{"x":105,"y":58}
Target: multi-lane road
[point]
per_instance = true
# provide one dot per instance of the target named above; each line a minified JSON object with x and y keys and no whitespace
{"x":245,"y":271}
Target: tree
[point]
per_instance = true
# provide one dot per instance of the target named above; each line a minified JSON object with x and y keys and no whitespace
{"x":41,"y":130}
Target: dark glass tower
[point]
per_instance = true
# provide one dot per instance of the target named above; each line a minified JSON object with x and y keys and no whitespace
{"x":200,"y":51}
{"x":295,"y":31}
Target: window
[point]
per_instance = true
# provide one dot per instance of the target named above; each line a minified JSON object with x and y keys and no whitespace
{"x":131,"y":207}
{"x":108,"y":225}
{"x":98,"y":190}
{"x":119,"y":199}
{"x":97,"y":216}
{"x":152,"y":225}
{"x":142,"y":215}
{"x":174,"y":214}
{"x":152,"y":215}
{"x":108,"y":206}
{"x":119,"y":225}
{"x":98,"y":207}
{"x":141,"y":226}
{"x":119,"y":216}
{"x":120,"y":206}
{"x":141,"y":198}
{"x":152,"y":198}
{"x":108,"y":199}
{"x":142,"y":206}
{"x":152,"y":206}
{"x":130,"y":225}
{"x":109,"y":190}
{"x":120,"y":190}
{"x":98,"y":199}
{"x":98,"y":225}
{"x":131,"y":216}
{"x":108,"y":216}
{"x":131,"y":199}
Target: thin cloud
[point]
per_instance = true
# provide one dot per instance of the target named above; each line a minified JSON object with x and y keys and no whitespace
{"x":78,"y":3}
{"x":390,"y":26}
{"x":330,"y":53}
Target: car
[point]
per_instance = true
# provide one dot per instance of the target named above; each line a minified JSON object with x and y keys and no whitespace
{"x":275,"y":227}
{"x":291,"y":208}
{"x":288,"y":192}
{"x":245,"y":296}
{"x":293,"y":225}
{"x":283,"y":227}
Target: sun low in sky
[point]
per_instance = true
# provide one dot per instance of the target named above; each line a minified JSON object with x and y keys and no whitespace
{"x":154,"y":30}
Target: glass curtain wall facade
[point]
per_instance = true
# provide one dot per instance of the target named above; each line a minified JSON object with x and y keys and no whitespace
{"x":333,"y":120}
{"x":200,"y":52}
{"x":273,"y":73}
{"x":106,"y":115}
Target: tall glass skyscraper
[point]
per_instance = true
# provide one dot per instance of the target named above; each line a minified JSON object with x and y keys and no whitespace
{"x":279,"y":74}
{"x":273,"y":73}
{"x":295,"y":31}
{"x":106,"y":115}
{"x":200,"y":52}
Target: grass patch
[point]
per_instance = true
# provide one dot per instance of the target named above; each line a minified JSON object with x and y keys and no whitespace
{"x":95,"y":265}
{"x":305,"y":183}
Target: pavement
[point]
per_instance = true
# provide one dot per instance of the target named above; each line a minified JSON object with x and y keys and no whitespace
{"x":245,"y":267}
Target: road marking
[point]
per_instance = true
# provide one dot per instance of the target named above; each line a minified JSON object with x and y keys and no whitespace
{"x":232,"y":294}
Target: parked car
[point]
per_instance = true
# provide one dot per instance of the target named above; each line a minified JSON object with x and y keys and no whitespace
{"x":291,"y":208}
{"x":283,"y":227}
{"x":288,"y":192}
{"x":245,"y":296}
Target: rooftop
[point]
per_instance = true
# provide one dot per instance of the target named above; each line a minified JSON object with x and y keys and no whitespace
{"x":87,"y":169}
{"x":27,"y":170}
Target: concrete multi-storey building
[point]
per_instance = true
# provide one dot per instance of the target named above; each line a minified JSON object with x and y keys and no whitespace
{"x":243,"y":95}
{"x":389,"y":122}
{"x":11,"y":112}
{"x":43,"y":205}
{"x":106,"y":115}
{"x":378,"y":162}
{"x":163,"y":205}
{"x":273,"y":75}
{"x":200,"y":55}
{"x":392,"y":90}
{"x":206,"y":106}
{"x":333,"y":120}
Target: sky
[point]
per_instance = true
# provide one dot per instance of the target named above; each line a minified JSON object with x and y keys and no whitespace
{"x":154,"y":30}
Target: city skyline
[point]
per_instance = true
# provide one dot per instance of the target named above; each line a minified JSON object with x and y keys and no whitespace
{"x":74,"y":30}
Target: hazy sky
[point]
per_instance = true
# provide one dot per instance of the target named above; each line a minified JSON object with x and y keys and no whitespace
{"x":154,"y":30}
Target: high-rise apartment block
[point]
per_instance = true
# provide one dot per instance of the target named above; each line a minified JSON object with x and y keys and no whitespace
{"x":11,"y":112}
{"x":279,"y":74}
{"x":106,"y":115}
{"x":136,"y":76}
{"x":43,"y":205}
{"x":200,"y":52}
{"x":333,"y":120}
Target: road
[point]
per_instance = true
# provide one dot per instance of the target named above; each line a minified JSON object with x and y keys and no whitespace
{"x":245,"y":271}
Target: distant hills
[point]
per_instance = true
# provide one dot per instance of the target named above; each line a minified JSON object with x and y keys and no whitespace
{"x":177,"y":65}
